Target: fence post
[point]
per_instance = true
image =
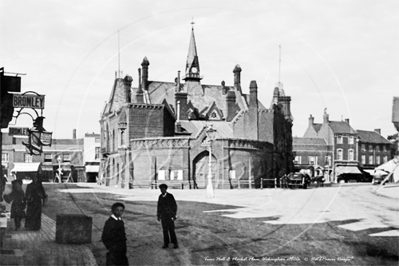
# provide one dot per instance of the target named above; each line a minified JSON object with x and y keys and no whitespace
{"x":182,"y":185}
{"x":275,"y":182}
{"x":261,"y":183}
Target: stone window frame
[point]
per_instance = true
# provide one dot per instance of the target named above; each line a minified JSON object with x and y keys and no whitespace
{"x":5,"y":157}
{"x":351,"y":155}
{"x":351,"y":140}
{"x":363,"y":158}
{"x":371,"y":159}
{"x":340,"y":139}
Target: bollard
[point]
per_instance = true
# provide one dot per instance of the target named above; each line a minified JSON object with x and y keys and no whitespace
{"x":182,"y":186}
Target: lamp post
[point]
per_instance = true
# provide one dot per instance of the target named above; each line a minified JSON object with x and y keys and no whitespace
{"x":122,"y":125}
{"x":211,"y":134}
{"x":59,"y":169}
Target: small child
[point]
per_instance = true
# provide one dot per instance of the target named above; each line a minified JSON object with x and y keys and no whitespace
{"x":114,"y":236}
{"x":17,"y":197}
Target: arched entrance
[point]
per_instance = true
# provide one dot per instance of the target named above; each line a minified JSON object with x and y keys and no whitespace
{"x":200,"y":169}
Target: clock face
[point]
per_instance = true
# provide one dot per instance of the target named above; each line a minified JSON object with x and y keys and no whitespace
{"x":194,"y":70}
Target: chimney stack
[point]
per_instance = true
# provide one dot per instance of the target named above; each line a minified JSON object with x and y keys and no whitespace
{"x":74,"y":133}
{"x":378,"y":130}
{"x":325,"y":117}
{"x":347,"y":120}
{"x":145,"y":65}
{"x":311,"y":120}
{"x":237,"y":77}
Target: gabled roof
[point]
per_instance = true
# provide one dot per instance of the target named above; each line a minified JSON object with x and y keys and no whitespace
{"x":308,"y":141}
{"x":341,"y":127}
{"x":371,"y":137}
{"x":317,"y":127}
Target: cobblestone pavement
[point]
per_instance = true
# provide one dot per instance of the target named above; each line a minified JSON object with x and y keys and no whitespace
{"x":33,"y":248}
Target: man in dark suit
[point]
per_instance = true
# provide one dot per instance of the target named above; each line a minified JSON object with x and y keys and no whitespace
{"x":114,"y":236}
{"x":166,"y":213}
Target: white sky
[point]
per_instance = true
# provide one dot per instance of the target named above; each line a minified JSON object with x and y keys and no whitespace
{"x":339,"y":55}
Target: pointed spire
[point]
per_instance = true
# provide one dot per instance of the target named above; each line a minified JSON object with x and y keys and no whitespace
{"x":192,"y":64}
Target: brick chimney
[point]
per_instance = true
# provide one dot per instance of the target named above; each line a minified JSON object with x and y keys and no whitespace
{"x":145,"y":65}
{"x":127,"y":81}
{"x":237,"y":77}
{"x":311,"y":120}
{"x":181,"y":101}
{"x":74,"y":133}
{"x":347,"y":120}
{"x":139,"y":92}
{"x":325,"y":117}
{"x":231,"y":102}
{"x":378,"y":130}
{"x":253,"y":94}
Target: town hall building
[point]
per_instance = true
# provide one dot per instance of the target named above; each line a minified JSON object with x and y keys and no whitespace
{"x":173,"y":132}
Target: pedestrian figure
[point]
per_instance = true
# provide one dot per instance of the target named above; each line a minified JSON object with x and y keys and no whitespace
{"x":3,"y":182}
{"x":114,"y":237}
{"x":166,"y":213}
{"x":34,"y":195}
{"x":18,"y":202}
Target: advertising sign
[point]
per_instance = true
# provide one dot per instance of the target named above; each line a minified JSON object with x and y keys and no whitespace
{"x":18,"y":131}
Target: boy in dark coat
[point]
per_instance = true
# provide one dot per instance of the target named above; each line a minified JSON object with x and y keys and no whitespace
{"x":166,"y":213}
{"x":114,"y":236}
{"x":17,"y":196}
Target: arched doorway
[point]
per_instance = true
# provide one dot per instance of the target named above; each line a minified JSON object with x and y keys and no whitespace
{"x":200,"y":169}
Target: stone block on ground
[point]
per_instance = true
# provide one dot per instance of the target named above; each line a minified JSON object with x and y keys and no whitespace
{"x":73,"y":229}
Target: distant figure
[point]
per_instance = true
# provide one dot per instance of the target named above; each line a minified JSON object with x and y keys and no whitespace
{"x":114,"y":236}
{"x":3,"y":181}
{"x":18,"y":203}
{"x":166,"y":213}
{"x":35,"y":194}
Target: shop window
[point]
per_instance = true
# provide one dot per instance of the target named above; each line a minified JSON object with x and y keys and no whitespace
{"x":28,"y":158}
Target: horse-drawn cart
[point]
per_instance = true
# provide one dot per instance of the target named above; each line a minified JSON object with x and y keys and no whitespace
{"x":295,"y":180}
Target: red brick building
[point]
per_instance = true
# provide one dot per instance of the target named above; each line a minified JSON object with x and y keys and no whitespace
{"x":156,"y":132}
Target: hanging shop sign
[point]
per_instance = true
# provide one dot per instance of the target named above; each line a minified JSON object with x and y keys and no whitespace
{"x":18,"y":131}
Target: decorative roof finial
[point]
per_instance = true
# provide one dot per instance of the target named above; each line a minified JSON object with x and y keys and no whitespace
{"x":192,"y":23}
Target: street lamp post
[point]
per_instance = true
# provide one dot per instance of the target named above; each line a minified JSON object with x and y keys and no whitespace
{"x":59,"y":169}
{"x":122,"y":125}
{"x":211,"y":134}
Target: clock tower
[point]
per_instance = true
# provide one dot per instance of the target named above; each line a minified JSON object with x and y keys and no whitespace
{"x":192,"y":65}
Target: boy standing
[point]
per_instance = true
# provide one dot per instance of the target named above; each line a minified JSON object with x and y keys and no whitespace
{"x":166,"y":212}
{"x":114,"y":236}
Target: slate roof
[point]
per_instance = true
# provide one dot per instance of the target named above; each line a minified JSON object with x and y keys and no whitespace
{"x":308,"y":141}
{"x":341,"y":127}
{"x":372,"y":137}
{"x":195,"y":127}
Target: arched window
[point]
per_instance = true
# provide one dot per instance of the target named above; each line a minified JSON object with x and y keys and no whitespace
{"x":339,"y":154}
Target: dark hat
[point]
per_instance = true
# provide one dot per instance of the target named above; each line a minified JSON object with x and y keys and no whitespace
{"x":116,"y":205}
{"x":163,"y":186}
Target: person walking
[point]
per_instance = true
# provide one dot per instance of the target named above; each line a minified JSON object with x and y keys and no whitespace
{"x":166,"y":213}
{"x":34,"y":195}
{"x":17,"y":197}
{"x":114,"y":236}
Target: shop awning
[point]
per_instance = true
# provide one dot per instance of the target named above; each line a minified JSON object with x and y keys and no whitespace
{"x":25,"y":167}
{"x":347,"y":170}
{"x":92,"y":168}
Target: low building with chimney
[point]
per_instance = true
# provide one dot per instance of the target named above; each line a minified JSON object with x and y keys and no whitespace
{"x":160,"y":132}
